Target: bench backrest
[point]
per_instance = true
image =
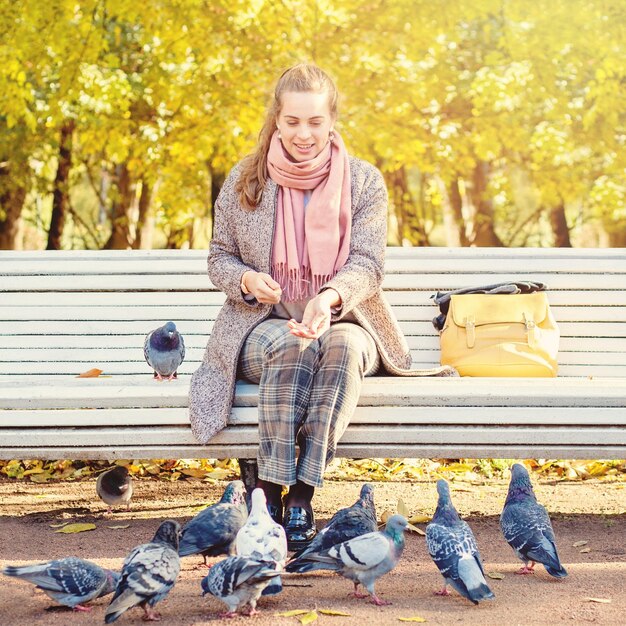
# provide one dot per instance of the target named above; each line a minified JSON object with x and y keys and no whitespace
{"x":66,"y":312}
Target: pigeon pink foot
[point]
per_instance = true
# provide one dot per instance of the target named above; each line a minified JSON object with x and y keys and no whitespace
{"x":379,"y":601}
{"x":84,"y":609}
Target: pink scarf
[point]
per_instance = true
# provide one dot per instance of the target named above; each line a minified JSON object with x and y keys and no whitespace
{"x":310,"y":245}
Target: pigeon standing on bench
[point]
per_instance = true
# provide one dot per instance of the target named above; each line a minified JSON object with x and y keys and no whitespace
{"x":71,"y":582}
{"x":148,"y":574}
{"x":263,"y":539}
{"x":452,"y":546}
{"x":526,"y":526}
{"x":353,"y":521}
{"x":115,"y":487}
{"x":214,"y":530}
{"x":164,"y":350}
{"x":364,"y":559}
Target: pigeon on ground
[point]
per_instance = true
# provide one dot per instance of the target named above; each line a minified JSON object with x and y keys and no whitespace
{"x":263,"y":539}
{"x":453,"y":548}
{"x":239,"y":581}
{"x":526,"y":526}
{"x":115,"y":487}
{"x":71,"y":582}
{"x":164,"y":350}
{"x":213,"y":531}
{"x":364,"y":559}
{"x":148,"y":574}
{"x":353,"y":521}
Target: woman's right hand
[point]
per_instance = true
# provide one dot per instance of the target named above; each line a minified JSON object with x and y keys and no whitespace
{"x":262,"y":286}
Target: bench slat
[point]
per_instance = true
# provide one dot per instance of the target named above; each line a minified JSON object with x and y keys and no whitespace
{"x":195,"y":282}
{"x":179,"y":435}
{"x":524,"y":416}
{"x":141,"y":391}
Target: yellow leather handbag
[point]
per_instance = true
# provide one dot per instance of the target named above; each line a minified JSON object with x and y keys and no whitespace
{"x":500,"y":335}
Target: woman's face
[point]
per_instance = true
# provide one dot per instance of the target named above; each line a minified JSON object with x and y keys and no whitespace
{"x":304,"y":122}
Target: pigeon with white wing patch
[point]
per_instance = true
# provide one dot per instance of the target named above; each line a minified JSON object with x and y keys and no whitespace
{"x":353,"y":521}
{"x":364,"y":559}
{"x":452,"y":546}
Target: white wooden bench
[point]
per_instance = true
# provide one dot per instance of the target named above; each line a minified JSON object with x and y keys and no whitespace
{"x":62,"y":313}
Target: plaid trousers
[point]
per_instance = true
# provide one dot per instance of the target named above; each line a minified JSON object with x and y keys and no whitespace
{"x":308,"y":390}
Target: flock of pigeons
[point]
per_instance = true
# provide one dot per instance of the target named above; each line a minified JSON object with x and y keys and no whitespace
{"x":256,"y":548}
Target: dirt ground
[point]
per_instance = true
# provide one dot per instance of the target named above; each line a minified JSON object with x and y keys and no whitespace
{"x":591,"y":511}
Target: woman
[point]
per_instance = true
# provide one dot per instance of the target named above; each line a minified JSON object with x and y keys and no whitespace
{"x":298,"y":247}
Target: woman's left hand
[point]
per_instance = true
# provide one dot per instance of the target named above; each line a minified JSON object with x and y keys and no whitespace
{"x":316,"y":319}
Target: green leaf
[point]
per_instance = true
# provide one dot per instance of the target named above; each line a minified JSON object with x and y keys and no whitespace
{"x":76,"y":528}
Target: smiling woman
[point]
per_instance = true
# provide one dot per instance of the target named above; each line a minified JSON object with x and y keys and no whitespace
{"x":298,"y":247}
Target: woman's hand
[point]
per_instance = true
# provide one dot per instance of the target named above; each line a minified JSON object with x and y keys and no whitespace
{"x":262,"y":286}
{"x":316,"y":319}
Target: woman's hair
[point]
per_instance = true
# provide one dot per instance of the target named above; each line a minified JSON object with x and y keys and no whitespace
{"x":301,"y":77}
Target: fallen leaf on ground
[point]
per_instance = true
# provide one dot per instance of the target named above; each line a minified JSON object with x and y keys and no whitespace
{"x":308,"y":617}
{"x":120,"y":526}
{"x":415,"y":529}
{"x":420,"y":519}
{"x":331,"y":612}
{"x":59,"y":525}
{"x":403,"y":509}
{"x":495,"y":575}
{"x":585,"y":550}
{"x":600,"y":600}
{"x":291,"y":613}
{"x":412,"y":619}
{"x":579,"y":544}
{"x":92,"y":373}
{"x":76,"y":528}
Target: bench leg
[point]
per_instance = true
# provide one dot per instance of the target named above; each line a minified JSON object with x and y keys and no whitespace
{"x":249,"y":473}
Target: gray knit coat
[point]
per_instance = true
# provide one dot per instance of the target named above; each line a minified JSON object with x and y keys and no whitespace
{"x":242,"y":240}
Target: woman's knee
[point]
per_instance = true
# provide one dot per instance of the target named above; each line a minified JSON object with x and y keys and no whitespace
{"x":349,"y":342}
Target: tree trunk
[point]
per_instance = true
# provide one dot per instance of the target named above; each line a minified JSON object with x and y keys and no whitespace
{"x":144,"y":208}
{"x":453,"y":214}
{"x":11,"y":202}
{"x":217,"y":181}
{"x":558,"y":222}
{"x":60,"y":194}
{"x":483,"y":232}
{"x":617,"y":235}
{"x":410,"y":225}
{"x":120,"y":228}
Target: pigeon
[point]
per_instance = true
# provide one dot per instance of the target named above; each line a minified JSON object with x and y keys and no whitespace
{"x":263,"y":539}
{"x":115,"y":487}
{"x":148,"y":574}
{"x":364,"y":559}
{"x":526,"y":526}
{"x":213,"y":531}
{"x":453,"y":548}
{"x":353,"y":521}
{"x":238,"y":581}
{"x":71,"y":582}
{"x":164,"y":350}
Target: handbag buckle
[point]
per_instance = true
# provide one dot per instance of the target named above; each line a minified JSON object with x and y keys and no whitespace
{"x":470,"y":330}
{"x":531,"y":331}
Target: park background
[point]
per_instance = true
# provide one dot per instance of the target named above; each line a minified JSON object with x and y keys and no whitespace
{"x":495,"y":122}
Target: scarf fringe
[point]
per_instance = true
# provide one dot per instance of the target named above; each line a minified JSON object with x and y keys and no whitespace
{"x":298,"y":284}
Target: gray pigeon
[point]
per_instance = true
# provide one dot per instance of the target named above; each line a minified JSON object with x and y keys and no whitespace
{"x":148,"y":574}
{"x":526,"y":526}
{"x":353,"y":521}
{"x":164,"y":350}
{"x":115,"y":487}
{"x":453,"y":548}
{"x":70,"y":582}
{"x":239,"y":581}
{"x":213,"y":531}
{"x":263,"y":539}
{"x":364,"y":559}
